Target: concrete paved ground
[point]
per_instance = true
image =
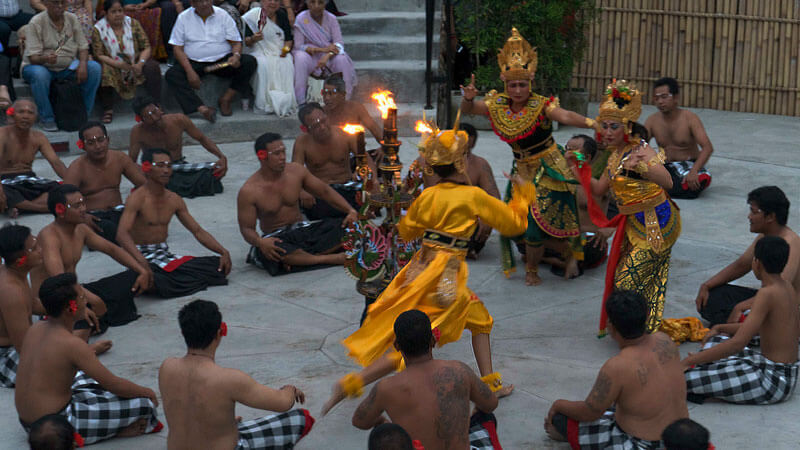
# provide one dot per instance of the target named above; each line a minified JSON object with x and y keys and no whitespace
{"x":287,"y":329}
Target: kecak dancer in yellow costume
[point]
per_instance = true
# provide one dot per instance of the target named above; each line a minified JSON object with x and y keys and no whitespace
{"x":435,"y":280}
{"x":649,"y":222}
{"x":523,"y":119}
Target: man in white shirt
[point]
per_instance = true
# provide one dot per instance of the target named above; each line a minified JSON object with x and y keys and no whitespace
{"x":205,"y":40}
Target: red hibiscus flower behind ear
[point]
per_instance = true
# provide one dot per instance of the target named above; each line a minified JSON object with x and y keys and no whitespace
{"x":147,"y":166}
{"x":10,"y":111}
{"x":61,"y":209}
{"x":436,"y":334}
{"x":80,"y":144}
{"x":262,"y":155}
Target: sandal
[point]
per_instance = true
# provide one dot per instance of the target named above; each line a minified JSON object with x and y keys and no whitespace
{"x":108,"y":116}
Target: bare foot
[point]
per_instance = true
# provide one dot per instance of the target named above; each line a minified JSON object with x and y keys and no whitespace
{"x":101,"y":347}
{"x":337,"y":395}
{"x":551,"y":431}
{"x":504,"y":391}
{"x":571,"y":271}
{"x":532,"y":278}
{"x":13,"y":213}
{"x":135,"y":429}
{"x":208,"y":113}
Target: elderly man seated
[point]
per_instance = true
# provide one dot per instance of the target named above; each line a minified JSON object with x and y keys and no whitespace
{"x":205,"y":40}
{"x":56,"y":48}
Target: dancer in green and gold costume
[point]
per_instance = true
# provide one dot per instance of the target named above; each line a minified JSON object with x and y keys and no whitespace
{"x":523,"y":119}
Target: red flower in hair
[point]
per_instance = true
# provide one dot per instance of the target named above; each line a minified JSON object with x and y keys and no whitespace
{"x":711,"y":446}
{"x":262,"y":155}
{"x":598,"y":137}
{"x":10,"y":111}
{"x":21,"y":261}
{"x":73,"y":306}
{"x":80,"y":144}
{"x":147,"y":166}
{"x":626,"y":139}
{"x":78,"y":439}
{"x":223,"y":329}
{"x":61,"y":209}
{"x":436,"y":334}
{"x":138,"y":118}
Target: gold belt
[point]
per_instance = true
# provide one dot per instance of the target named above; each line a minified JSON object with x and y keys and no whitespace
{"x":445,"y":240}
{"x":533,"y":150}
{"x":647,"y":206}
{"x":643,"y":205}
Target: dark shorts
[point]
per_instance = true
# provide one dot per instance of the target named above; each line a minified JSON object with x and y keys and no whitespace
{"x":678,"y":170}
{"x":722,"y":300}
{"x":323,"y":209}
{"x":318,"y":237}
{"x":196,"y":183}
{"x":194,"y":275}
{"x":115,"y":291}
{"x":25,"y":190}
{"x":108,"y":222}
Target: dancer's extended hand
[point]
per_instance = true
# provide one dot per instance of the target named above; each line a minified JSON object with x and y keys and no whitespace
{"x":337,"y":395}
{"x":469,"y":91}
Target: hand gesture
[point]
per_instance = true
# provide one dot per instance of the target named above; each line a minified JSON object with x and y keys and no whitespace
{"x":516,"y":179}
{"x":470,"y":91}
{"x":143,"y":282}
{"x":270,"y":249}
{"x":225,"y":263}
{"x":221,"y":167}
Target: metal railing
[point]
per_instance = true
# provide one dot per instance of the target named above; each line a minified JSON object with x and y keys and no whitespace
{"x":444,"y":77}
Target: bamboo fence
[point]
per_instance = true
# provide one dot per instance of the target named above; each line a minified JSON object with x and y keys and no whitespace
{"x":735,"y":55}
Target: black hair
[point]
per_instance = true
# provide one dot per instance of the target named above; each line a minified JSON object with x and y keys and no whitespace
{"x":199,"y":320}
{"x":685,"y":434}
{"x":773,"y":253}
{"x":141,"y":102}
{"x":470,"y":129}
{"x":589,"y":147}
{"x":627,"y":311}
{"x":672,"y":83}
{"x":93,"y":123}
{"x":107,"y":4}
{"x":445,"y":170}
{"x":389,"y":436}
{"x":149,"y":153}
{"x":12,"y":242}
{"x":771,"y":200}
{"x":52,"y":432}
{"x":265,"y":139}
{"x":56,"y":291}
{"x":638,"y":129}
{"x":412,"y":331}
{"x":307,"y":109}
{"x":336,"y":80}
{"x":58,"y":195}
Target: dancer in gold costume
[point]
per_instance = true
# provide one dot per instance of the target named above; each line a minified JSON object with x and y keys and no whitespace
{"x":435,"y":281}
{"x":649,"y":222}
{"x":523,"y":119}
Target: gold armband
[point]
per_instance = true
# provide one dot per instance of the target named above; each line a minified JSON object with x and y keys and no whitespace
{"x":494,"y":381}
{"x":590,"y":123}
{"x":352,"y":385}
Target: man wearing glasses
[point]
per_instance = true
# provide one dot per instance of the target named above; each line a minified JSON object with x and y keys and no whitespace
{"x":682,"y":136}
{"x":97,"y":173}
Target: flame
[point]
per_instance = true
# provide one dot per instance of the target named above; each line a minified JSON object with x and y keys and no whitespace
{"x":349,"y":128}
{"x":385,"y":102}
{"x":423,"y":127}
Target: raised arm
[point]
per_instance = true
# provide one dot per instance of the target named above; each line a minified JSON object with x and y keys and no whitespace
{"x":569,"y":118}
{"x":203,"y":236}
{"x":191,"y":129}
{"x":249,"y":392}
{"x":468,"y":103}
{"x":369,"y":413}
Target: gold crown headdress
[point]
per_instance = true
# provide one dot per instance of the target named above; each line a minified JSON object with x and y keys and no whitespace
{"x":440,"y":148}
{"x":623,"y":103}
{"x":517,"y":59}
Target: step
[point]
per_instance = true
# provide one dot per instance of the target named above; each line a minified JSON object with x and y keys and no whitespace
{"x":396,"y":23}
{"x":365,"y":47}
{"x":405,"y":78}
{"x":349,"y":6}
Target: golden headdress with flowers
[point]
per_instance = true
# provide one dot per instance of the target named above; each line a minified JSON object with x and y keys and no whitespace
{"x":623,"y":103}
{"x":443,"y":147}
{"x":517,"y":59}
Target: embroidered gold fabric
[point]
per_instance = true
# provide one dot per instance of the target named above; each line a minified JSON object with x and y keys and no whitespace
{"x":642,"y":270}
{"x":511,"y":125}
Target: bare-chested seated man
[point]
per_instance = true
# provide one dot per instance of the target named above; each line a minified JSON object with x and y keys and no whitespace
{"x":721,"y":302}
{"x":144,"y":227}
{"x":60,"y":374}
{"x":270,"y":196}
{"x":97,"y":173}
{"x":200,"y":397}
{"x":159,"y":130}
{"x":325,"y":151}
{"x":62,"y":242}
{"x":341,"y":111}
{"x":728,"y":369}
{"x":682,"y":136}
{"x":22,"y":189}
{"x":431,"y":398}
{"x":637,"y":392}
{"x":480,"y":174}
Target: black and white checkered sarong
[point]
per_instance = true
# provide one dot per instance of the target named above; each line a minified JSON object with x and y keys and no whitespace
{"x":682,"y":168}
{"x":479,"y":438}
{"x":182,"y":166}
{"x":9,"y":359}
{"x":159,"y":254}
{"x":605,"y":434}
{"x":279,"y":431}
{"x":746,"y":377}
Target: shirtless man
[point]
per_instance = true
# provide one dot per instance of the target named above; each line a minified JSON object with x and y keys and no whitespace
{"x":720,"y":302}
{"x":431,"y":398}
{"x":99,"y":404}
{"x":480,"y":174}
{"x":637,"y":392}
{"x":289,"y":244}
{"x":200,"y":397}
{"x":679,"y":132}
{"x":325,"y":151}
{"x":62,"y":244}
{"x":144,"y":227}
{"x":159,"y":130}
{"x":341,"y":111}
{"x":22,"y":189}
{"x":728,"y":370}
{"x":97,"y":173}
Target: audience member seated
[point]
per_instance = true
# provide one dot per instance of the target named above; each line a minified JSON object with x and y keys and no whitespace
{"x":22,"y":189}
{"x":480,"y":174}
{"x":268,"y":37}
{"x":53,"y":432}
{"x":319,"y":49}
{"x":21,"y":253}
{"x":62,"y":242}
{"x":98,"y":404}
{"x":720,"y":302}
{"x":300,"y":6}
{"x":727,"y":368}
{"x":200,"y":397}
{"x":686,"y":434}
{"x":159,"y":130}
{"x":270,"y":196}
{"x":148,"y":14}
{"x":83,"y":11}
{"x":325,"y":151}
{"x":679,"y":132}
{"x":7,"y":93}
{"x":341,"y":111}
{"x":56,"y":48}
{"x":144,"y":227}
{"x":431,"y":398}
{"x":637,"y":392}
{"x":205,"y":40}
{"x":120,"y":45}
{"x":389,"y":436}
{"x":97,"y":173}
{"x":12,"y":18}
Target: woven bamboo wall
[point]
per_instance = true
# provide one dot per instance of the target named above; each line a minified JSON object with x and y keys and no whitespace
{"x":726,"y":54}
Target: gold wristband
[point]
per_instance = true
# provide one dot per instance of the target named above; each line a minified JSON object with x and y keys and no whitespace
{"x":590,"y":123}
{"x":352,"y":385}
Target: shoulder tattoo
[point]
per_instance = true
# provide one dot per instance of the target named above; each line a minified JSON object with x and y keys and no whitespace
{"x":665,"y":350}
{"x":600,"y":391}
